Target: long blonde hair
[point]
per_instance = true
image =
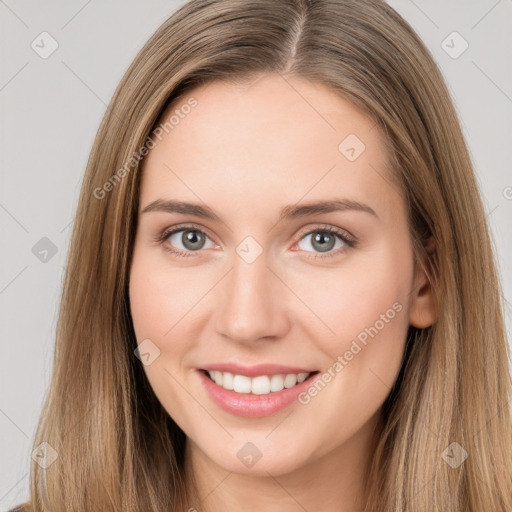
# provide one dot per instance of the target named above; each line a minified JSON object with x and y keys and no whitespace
{"x":117,"y":448}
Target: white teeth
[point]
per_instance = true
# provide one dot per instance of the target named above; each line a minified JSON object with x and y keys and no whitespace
{"x":261,"y":385}
{"x":228,"y":381}
{"x":241,"y":384}
{"x":290,"y":380}
{"x":276,"y":383}
{"x":301,"y":377}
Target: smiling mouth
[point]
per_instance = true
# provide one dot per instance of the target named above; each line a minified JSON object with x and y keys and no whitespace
{"x":259,"y":385}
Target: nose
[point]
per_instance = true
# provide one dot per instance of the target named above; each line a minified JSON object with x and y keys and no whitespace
{"x":252,"y":303}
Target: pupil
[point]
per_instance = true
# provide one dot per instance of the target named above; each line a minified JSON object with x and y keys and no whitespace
{"x":192,"y":240}
{"x":322,"y":237}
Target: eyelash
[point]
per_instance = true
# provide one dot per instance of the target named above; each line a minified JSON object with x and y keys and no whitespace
{"x":349,"y":241}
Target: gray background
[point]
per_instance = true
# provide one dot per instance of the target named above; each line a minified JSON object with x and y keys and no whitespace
{"x":51,"y":109}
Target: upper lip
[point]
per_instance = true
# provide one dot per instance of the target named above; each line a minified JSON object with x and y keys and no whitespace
{"x":255,"y":370}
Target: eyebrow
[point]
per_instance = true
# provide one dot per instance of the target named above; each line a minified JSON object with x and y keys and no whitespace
{"x":287,"y":213}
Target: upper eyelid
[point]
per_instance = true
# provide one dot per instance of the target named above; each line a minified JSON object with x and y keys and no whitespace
{"x":185,"y":227}
{"x":327,"y":227}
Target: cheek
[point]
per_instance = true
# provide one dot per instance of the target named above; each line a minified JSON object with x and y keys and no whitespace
{"x":161,"y":298}
{"x":363,"y":308}
{"x":157,"y":305}
{"x":366,"y":309}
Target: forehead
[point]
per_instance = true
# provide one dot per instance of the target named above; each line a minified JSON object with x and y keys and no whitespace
{"x":269,"y":140}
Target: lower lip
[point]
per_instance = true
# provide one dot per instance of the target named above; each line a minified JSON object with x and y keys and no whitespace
{"x":253,"y":406}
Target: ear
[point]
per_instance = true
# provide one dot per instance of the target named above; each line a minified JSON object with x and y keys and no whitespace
{"x":422,"y":312}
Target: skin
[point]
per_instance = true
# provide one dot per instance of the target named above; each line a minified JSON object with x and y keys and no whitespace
{"x":246,"y":152}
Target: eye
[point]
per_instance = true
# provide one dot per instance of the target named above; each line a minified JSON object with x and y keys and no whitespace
{"x":184,"y":240}
{"x":324,"y":240}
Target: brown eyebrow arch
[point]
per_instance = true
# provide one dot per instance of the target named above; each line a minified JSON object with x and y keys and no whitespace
{"x":316,"y":208}
{"x":288,"y":212}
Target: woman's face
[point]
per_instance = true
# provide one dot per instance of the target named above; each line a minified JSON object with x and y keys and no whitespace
{"x":258,"y":291}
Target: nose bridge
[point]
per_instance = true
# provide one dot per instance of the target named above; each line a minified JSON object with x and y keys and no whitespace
{"x":251,"y":303}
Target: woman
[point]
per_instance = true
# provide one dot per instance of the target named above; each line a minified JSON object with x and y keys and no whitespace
{"x":281,"y":292}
